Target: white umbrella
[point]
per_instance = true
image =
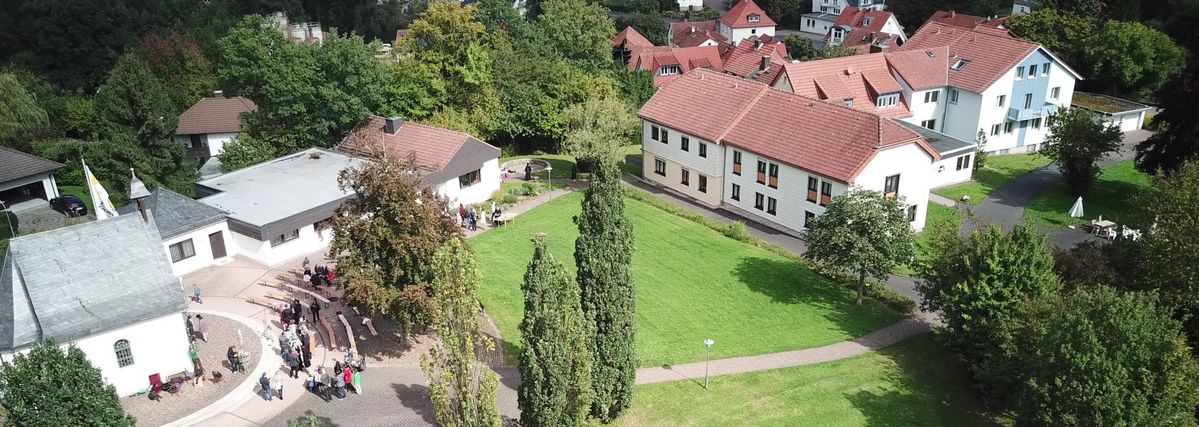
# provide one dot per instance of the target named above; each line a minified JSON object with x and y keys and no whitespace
{"x":1076,"y":210}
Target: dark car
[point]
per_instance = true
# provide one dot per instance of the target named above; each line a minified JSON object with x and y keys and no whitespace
{"x":69,"y":205}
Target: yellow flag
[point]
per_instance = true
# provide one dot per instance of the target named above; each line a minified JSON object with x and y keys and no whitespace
{"x":103,"y":206}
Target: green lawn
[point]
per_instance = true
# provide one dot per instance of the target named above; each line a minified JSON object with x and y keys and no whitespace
{"x":913,"y":383}
{"x":692,"y":284}
{"x":81,"y":191}
{"x":1112,"y":197}
{"x":998,"y":171}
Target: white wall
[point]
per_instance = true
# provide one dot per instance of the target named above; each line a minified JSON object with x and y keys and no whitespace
{"x":684,"y":4}
{"x":217,"y":141}
{"x":914,"y":167}
{"x":47,"y":180}
{"x":921,"y":110}
{"x":199,"y":238}
{"x":892,"y":27}
{"x":791,"y":192}
{"x":309,"y":241}
{"x":961,"y":119}
{"x":736,"y":35}
{"x":676,"y":159}
{"x":489,"y":183}
{"x":816,"y":26}
{"x":945,"y":171}
{"x":159,"y":346}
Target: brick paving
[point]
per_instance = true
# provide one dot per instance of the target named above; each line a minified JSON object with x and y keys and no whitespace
{"x":222,"y":333}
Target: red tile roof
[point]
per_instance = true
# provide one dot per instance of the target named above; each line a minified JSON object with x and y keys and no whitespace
{"x":433,"y":148}
{"x":990,"y":55}
{"x":214,"y":115}
{"x":922,"y":69}
{"x":861,"y":39}
{"x":860,"y":77}
{"x":968,"y":22}
{"x":687,"y":58}
{"x":826,"y":139}
{"x":745,"y":59}
{"x":853,"y":17}
{"x":738,"y":16}
{"x":629,"y":37}
{"x":691,"y":34}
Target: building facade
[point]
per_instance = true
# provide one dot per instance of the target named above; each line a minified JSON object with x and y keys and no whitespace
{"x":194,"y":235}
{"x":781,"y":172}
{"x":824,"y":14}
{"x":210,"y":123}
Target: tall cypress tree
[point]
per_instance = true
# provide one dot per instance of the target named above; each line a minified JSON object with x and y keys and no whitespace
{"x":603,"y":253}
{"x":555,"y":360}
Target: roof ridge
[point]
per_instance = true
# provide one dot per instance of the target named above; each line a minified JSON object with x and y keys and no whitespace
{"x":745,"y":110}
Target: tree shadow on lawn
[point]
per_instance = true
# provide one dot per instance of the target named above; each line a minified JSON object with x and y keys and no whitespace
{"x":791,"y":282}
{"x":930,"y":388}
{"x":1113,"y":199}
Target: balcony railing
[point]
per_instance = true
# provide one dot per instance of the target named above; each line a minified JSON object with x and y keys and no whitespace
{"x":1020,"y":114}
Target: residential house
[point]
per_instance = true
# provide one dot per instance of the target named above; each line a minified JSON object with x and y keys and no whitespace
{"x":281,"y":209}
{"x":998,"y":85}
{"x":626,"y":42}
{"x":1122,"y":113}
{"x":668,"y":63}
{"x":458,"y":166}
{"x":969,"y":22}
{"x":867,"y":30}
{"x":692,"y":34}
{"x":754,"y":60}
{"x":1020,"y":7}
{"x":105,"y":287}
{"x":194,"y":235}
{"x":26,"y":180}
{"x":825,"y":13}
{"x":774,"y":156}
{"x":211,"y":123}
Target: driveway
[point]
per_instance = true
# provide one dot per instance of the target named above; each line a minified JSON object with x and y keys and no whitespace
{"x":42,"y":218}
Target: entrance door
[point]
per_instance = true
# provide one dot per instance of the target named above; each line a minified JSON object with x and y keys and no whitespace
{"x":217,"y":242}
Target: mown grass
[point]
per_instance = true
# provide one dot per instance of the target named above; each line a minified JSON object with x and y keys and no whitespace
{"x":1111,"y":196}
{"x":997,"y":171}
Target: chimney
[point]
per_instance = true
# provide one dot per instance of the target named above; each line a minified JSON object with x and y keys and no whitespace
{"x":757,"y":44}
{"x":218,"y":94}
{"x":765,"y":62}
{"x":392,"y":125}
{"x":952,"y":14}
{"x":692,"y":29}
{"x":138,"y":192}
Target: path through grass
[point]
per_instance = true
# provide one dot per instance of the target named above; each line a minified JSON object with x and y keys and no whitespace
{"x":998,"y":171}
{"x":692,"y":284}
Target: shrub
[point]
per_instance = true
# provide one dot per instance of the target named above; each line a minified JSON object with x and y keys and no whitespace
{"x":737,"y":231}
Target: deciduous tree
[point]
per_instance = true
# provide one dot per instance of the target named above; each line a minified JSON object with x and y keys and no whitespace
{"x":1176,"y":139}
{"x":1097,"y":357}
{"x":19,"y":113}
{"x":599,"y":127}
{"x":603,"y":253}
{"x":556,"y":354}
{"x":245,"y":150}
{"x":800,"y":48}
{"x":386,"y":236}
{"x":461,"y":386}
{"x":1065,"y":35}
{"x":1076,"y":141}
{"x":49,"y":386}
{"x":1134,"y":60}
{"x":578,"y":31}
{"x":861,"y":233}
{"x":448,"y":39}
{"x":651,"y":25}
{"x":181,"y":65}
{"x":980,"y":284}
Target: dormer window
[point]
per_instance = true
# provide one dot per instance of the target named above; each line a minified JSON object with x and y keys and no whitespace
{"x":887,"y":100}
{"x":754,"y":18}
{"x":849,"y":102}
{"x":669,"y":70}
{"x":838,"y":34}
{"x":867,"y":21}
{"x":957,"y":66}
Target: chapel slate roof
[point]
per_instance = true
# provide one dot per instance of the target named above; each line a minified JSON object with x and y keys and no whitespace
{"x":175,"y":214}
{"x":214,"y":115}
{"x":15,"y":165}
{"x":77,"y":281}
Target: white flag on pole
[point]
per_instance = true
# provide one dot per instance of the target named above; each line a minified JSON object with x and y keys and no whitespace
{"x":101,"y":203}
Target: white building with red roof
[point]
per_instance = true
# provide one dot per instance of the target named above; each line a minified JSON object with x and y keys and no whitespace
{"x":866,"y":28}
{"x":824,"y":14}
{"x":458,"y":166}
{"x":744,"y":20}
{"x":210,"y":123}
{"x":774,"y":156}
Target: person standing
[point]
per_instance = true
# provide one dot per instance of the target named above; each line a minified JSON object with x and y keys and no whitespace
{"x":265,"y":383}
{"x":191,"y":329}
{"x":348,"y":376}
{"x":196,"y":293}
{"x":462,"y":214}
{"x":358,"y":381}
{"x":234,"y":360}
{"x":293,"y":362}
{"x":305,"y":350}
{"x":297,"y":311}
{"x":202,"y":327}
{"x":278,"y":383}
{"x":315,"y":307}
{"x":528,"y":171}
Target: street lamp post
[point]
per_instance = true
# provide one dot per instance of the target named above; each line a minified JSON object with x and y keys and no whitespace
{"x":549,"y":174}
{"x":708,"y":353}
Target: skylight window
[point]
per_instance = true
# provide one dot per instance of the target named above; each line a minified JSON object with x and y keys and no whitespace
{"x":957,"y":66}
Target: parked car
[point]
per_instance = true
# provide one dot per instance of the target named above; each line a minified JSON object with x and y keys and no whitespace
{"x":69,"y":205}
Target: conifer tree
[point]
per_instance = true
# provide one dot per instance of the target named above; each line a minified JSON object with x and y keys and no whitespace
{"x":603,"y":253}
{"x":461,"y":387}
{"x":555,"y":360}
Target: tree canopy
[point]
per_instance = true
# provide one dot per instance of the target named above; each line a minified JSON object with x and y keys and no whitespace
{"x":579,"y":31}
{"x":49,"y":386}
{"x":1076,"y":142}
{"x":861,"y":233}
{"x":1176,"y":136}
{"x":19,"y":113}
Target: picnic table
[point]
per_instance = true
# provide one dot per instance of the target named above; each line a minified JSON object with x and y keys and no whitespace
{"x":504,"y":218}
{"x":1104,"y":224}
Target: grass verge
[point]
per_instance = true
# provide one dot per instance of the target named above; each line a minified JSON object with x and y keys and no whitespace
{"x":1111,"y":197}
{"x":998,"y":171}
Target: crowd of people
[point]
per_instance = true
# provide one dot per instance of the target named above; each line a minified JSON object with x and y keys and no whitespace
{"x":470,"y":218}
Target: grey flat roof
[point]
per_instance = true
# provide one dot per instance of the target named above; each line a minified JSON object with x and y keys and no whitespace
{"x":282,"y":188}
{"x":176,"y":214}
{"x":944,"y":144}
{"x":77,"y":281}
{"x":1106,"y":104}
{"x":15,"y":165}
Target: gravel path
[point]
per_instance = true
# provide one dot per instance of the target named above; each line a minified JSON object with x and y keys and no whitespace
{"x":222,"y":333}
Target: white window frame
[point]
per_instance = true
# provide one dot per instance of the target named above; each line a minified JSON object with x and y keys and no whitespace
{"x":670,"y":70}
{"x":951,"y":95}
{"x":929,"y":124}
{"x":285,"y":237}
{"x":1019,"y":72}
{"x":1027,"y":100}
{"x":1000,"y":100}
{"x":1008,"y":126}
{"x":659,"y":167}
{"x":1056,"y":92}
{"x":124,"y":353}
{"x":887,"y":100}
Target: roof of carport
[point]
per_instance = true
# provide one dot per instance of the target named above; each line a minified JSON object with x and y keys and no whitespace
{"x":15,"y":165}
